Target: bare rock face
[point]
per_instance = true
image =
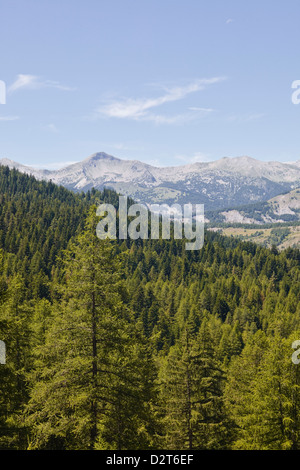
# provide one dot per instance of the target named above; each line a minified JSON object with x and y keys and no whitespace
{"x":221,"y":184}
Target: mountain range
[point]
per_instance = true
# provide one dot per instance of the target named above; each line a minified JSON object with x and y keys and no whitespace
{"x":221,"y":184}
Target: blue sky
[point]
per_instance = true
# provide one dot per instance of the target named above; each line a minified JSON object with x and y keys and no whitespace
{"x":167,"y":82}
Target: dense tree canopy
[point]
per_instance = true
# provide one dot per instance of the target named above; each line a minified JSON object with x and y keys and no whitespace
{"x":140,"y":344}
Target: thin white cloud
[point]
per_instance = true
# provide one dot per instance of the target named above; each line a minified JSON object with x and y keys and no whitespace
{"x":23,"y":81}
{"x":138,"y":109}
{"x":202,"y":110}
{"x":246,"y":118}
{"x":230,"y":20}
{"x":54,"y":166}
{"x":176,"y":119}
{"x":196,"y":157}
{"x":51,"y":128}
{"x":9,"y":118}
{"x":123,"y":146}
{"x":162,"y":119}
{"x":255,"y":117}
{"x":156,"y":162}
{"x":33,"y":82}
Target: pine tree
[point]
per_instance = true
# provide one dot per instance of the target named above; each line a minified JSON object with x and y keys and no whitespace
{"x":241,"y":393}
{"x":91,"y":375}
{"x":192,"y":389}
{"x":15,"y":314}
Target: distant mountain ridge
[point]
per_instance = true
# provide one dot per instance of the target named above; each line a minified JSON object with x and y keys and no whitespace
{"x":280,"y":209}
{"x":220,"y":184}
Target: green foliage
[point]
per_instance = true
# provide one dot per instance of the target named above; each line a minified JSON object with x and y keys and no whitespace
{"x":192,"y":380}
{"x":91,"y":380}
{"x":140,"y":345}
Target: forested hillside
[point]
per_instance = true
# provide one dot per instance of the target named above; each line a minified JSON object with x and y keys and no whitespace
{"x":140,"y":344}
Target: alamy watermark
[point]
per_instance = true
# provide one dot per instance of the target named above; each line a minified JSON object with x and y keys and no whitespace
{"x":152,"y":221}
{"x":2,"y":353}
{"x":2,"y":92}
{"x":295,"y":358}
{"x":296,"y":93}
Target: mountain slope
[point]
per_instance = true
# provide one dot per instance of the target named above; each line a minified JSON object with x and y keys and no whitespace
{"x":224,"y":183}
{"x":279,"y":209}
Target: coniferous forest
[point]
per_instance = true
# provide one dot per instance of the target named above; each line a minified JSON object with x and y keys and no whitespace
{"x":140,"y":344}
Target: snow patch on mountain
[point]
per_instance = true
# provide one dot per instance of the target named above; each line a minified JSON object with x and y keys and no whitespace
{"x":220,"y":184}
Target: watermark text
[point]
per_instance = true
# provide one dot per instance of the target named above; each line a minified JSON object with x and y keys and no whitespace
{"x":296,"y":93}
{"x":2,"y":92}
{"x":2,"y":353}
{"x":153,"y":221}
